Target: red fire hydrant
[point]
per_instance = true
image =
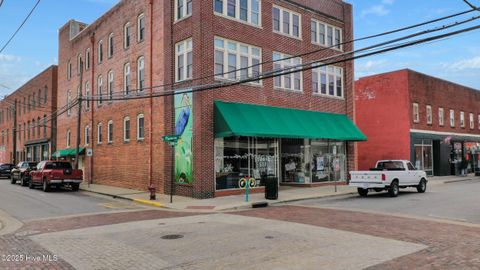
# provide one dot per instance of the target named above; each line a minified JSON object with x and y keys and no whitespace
{"x":152,"y":189}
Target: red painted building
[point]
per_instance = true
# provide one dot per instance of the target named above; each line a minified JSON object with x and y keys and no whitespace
{"x":410,"y":115}
{"x":180,"y":44}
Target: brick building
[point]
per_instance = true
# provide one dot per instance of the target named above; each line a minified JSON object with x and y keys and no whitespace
{"x":410,"y":115}
{"x":180,"y":44}
{"x":34,"y":105}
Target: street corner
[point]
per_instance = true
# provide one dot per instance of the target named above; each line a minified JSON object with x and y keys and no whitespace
{"x":149,"y":203}
{"x":8,"y":224}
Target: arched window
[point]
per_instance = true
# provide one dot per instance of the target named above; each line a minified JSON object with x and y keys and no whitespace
{"x":110,"y":85}
{"x":69,"y":100}
{"x":33,"y":101}
{"x":127,"y":35}
{"x":79,"y":63}
{"x":87,"y":59}
{"x":99,"y":133}
{"x":126,"y":129}
{"x":126,"y":79}
{"x":45,"y":95}
{"x":100,"y":51}
{"x":68,"y":138}
{"x":141,"y":73}
{"x":44,"y":125}
{"x":87,"y":96}
{"x":38,"y":127}
{"x":141,"y":28}
{"x":110,"y":131}
{"x":69,"y":70}
{"x":87,"y":135}
{"x":100,"y":90}
{"x":140,"y":127}
{"x":110,"y":45}
{"x":39,"y":97}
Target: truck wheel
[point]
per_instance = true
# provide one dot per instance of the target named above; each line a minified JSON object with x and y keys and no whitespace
{"x":46,"y":186}
{"x":30,"y":185}
{"x":422,"y":186}
{"x":362,"y":192}
{"x":22,"y":181}
{"x":393,"y":189}
{"x":12,"y":180}
{"x":75,"y":187}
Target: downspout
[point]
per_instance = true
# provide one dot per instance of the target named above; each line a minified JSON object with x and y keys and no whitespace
{"x":92,"y":106}
{"x":150,"y":162}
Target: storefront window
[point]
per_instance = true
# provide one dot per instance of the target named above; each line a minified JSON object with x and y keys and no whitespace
{"x":424,"y":156}
{"x":328,"y":161}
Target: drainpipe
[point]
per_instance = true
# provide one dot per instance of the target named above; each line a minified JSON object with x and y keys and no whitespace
{"x":92,"y":106}
{"x":150,"y":163}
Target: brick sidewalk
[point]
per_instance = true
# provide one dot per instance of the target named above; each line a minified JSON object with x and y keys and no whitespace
{"x":450,"y":246}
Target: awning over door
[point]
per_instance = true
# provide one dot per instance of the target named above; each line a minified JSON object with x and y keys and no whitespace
{"x":237,"y":119}
{"x":68,"y":152}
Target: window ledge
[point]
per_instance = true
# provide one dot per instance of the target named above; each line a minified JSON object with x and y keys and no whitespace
{"x":220,"y":79}
{"x":287,"y":35}
{"x":328,"y":96}
{"x":289,"y":90}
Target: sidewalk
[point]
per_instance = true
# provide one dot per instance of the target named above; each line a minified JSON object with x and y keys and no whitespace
{"x":286,"y":194}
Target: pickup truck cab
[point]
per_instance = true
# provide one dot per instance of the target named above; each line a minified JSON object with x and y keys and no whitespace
{"x":55,"y":173}
{"x":22,"y":171}
{"x":390,"y":175}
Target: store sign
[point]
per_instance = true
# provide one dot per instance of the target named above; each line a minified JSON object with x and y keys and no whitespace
{"x":184,"y":133}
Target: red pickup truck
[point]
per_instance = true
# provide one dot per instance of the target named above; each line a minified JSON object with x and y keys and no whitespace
{"x":55,"y":173}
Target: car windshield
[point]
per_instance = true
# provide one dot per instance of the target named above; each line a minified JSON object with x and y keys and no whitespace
{"x":32,"y":164}
{"x":58,"y":165}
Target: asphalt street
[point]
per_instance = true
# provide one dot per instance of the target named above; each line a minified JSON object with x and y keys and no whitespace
{"x":23,"y":203}
{"x":458,"y":201}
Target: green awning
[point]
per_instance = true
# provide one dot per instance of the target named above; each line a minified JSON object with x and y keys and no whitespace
{"x":68,"y":152}
{"x":237,"y":119}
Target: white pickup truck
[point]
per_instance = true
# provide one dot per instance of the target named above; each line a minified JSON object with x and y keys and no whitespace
{"x":389,"y":175}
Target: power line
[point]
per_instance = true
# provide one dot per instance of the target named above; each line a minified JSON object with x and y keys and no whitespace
{"x":1,"y":2}
{"x":20,"y":27}
{"x":471,"y":5}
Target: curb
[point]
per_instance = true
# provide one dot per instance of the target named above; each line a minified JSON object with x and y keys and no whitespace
{"x":148,"y":202}
{"x":141,"y":201}
{"x":459,"y":180}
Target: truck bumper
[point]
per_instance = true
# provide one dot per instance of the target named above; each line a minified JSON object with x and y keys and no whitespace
{"x":366,"y":185}
{"x":66,"y":181}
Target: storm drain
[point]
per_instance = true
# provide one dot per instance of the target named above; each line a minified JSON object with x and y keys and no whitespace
{"x":172,"y":236}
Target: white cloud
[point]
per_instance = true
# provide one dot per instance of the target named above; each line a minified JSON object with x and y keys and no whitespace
{"x":370,"y":65}
{"x":9,"y":58}
{"x":473,"y":63}
{"x":379,"y":9}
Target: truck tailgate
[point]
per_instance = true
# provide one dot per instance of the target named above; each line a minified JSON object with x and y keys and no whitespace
{"x":367,"y":179}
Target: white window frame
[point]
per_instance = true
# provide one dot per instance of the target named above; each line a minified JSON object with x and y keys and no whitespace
{"x":139,"y":18}
{"x":140,"y":116}
{"x":87,"y":59}
{"x":253,"y":53}
{"x":184,"y":48}
{"x":69,"y":101}
{"x":429,"y":114}
{"x":441,"y":117}
{"x":462,"y":119}
{"x":79,"y":61}
{"x":100,"y":52}
{"x":282,"y":65}
{"x":110,"y":131}
{"x":69,"y":70}
{"x":127,"y":74}
{"x":416,"y":113}
{"x":185,"y":12}
{"x":250,"y":12}
{"x":140,"y":74}
{"x":472,"y":121}
{"x":335,"y":46}
{"x":69,"y":138}
{"x":100,"y":90}
{"x":110,"y":85}
{"x":328,"y":72}
{"x":127,"y":34}
{"x":99,"y":133}
{"x":290,"y":21}
{"x":452,"y":118}
{"x":125,"y":119}
{"x":111,"y":48}
{"x":87,"y":96}
{"x":87,"y":135}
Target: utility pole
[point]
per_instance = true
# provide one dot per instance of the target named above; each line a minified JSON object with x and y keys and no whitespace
{"x":79,"y":114}
{"x":14,"y":137}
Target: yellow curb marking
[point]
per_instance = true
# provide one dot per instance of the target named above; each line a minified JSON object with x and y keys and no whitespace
{"x":148,"y":202}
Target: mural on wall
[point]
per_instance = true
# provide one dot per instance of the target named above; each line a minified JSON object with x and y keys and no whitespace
{"x":183,"y":128}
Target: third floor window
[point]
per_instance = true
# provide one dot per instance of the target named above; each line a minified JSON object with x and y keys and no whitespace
{"x":244,"y":10}
{"x":183,"y":9}
{"x":286,"y":22}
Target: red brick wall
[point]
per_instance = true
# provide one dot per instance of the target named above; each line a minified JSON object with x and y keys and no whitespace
{"x":47,"y":79}
{"x":382,"y":113}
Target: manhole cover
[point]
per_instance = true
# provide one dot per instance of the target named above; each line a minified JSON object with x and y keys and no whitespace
{"x":172,"y":236}
{"x":269,"y":237}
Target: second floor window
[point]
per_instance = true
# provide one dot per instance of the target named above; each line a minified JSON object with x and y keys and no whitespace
{"x":126,"y":129}
{"x":126,"y":79}
{"x":452,"y":118}
{"x":141,"y":74}
{"x":87,"y":96}
{"x":328,"y":80}
{"x":69,"y":101}
{"x":429,"y":114}
{"x":292,"y":81}
{"x":234,"y":60}
{"x":110,"y":85}
{"x":99,"y":133}
{"x":183,"y":60}
{"x":110,"y":45}
{"x":462,"y":119}
{"x":87,"y":135}
{"x":141,"y":28}
{"x":286,"y":22}
{"x":69,"y":70}
{"x":68,"y":138}
{"x":472,"y":121}
{"x":140,"y":127}
{"x":100,"y":90}
{"x":127,"y":35}
{"x":416,"y":114}
{"x":441,"y":119}
{"x":110,"y":132}
{"x":100,"y":52}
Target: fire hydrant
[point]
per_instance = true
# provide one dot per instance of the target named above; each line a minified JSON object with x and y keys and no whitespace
{"x":151,"y":188}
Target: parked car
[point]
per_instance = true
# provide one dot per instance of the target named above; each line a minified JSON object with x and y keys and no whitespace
{"x":5,"y":169}
{"x":390,"y":175}
{"x":21,"y":172}
{"x":54,"y":173}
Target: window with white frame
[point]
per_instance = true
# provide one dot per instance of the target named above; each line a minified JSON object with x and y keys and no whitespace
{"x":87,"y":59}
{"x":416,"y":113}
{"x":286,"y":22}
{"x":292,"y":81}
{"x":110,"y":131}
{"x":141,"y":74}
{"x":236,"y":61}
{"x":472,"y":121}
{"x":462,"y":119}
{"x":429,"y":114}
{"x":452,"y":118}
{"x":87,"y":96}
{"x":141,"y":27}
{"x":243,"y":10}
{"x":326,"y":35}
{"x":441,"y":119}
{"x":183,"y":60}
{"x":110,"y":85}
{"x":127,"y":35}
{"x":183,"y":9}
{"x":100,"y":51}
{"x":79,"y":65}
{"x":69,"y":136}
{"x":99,"y":133}
{"x":69,"y":101}
{"x":100,"y":90}
{"x":110,"y":45}
{"x":69,"y":70}
{"x":140,"y":127}
{"x":328,"y":80}
{"x":126,"y":129}
{"x":87,"y":135}
{"x":126,"y":79}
